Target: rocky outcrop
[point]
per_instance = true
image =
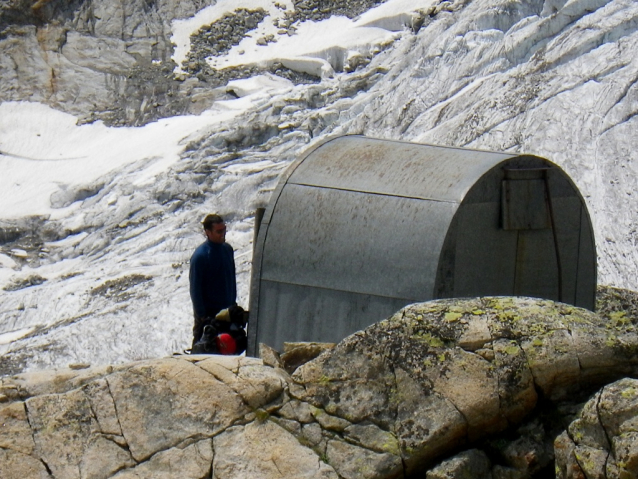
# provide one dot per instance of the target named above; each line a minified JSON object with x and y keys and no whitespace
{"x":499,"y":75}
{"x":111,"y":61}
{"x":617,"y":305}
{"x":446,"y":373}
{"x":143,"y":420}
{"x":96,"y":59}
{"x":387,"y":402}
{"x":603,"y":441}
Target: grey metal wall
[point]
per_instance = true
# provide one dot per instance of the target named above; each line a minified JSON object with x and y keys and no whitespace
{"x":360,"y":227}
{"x":552,"y":257}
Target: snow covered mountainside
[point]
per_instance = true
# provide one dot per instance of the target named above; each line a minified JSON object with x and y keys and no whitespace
{"x":123,"y":123}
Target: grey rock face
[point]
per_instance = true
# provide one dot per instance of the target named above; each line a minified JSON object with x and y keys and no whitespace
{"x":111,"y":61}
{"x":296,"y":354}
{"x":263,"y":449}
{"x":190,"y":462}
{"x":617,"y":305}
{"x":152,"y":419}
{"x":95,"y":59}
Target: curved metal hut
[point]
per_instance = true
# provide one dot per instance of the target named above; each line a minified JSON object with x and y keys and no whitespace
{"x":360,"y":227}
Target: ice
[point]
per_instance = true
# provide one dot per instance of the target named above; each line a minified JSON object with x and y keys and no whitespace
{"x":312,"y":43}
{"x":395,"y":15}
{"x":11,"y":336}
{"x":70,"y":240}
{"x":183,"y":29}
{"x":7,"y":261}
{"x":110,"y":216}
{"x":249,"y":167}
{"x":43,"y":150}
{"x":258,"y":84}
{"x":314,"y":48}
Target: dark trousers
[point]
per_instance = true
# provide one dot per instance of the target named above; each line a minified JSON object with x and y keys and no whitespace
{"x":198,"y":328}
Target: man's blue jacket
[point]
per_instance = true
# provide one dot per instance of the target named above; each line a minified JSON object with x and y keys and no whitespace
{"x":212,"y":279}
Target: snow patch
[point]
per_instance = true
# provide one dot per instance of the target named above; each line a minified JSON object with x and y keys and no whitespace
{"x":44,"y":154}
{"x":7,"y":261}
{"x":71,"y":240}
{"x":314,"y":48}
{"x":395,"y":15}
{"x":256,"y":84}
{"x":6,"y":338}
{"x":183,"y":29}
{"x":246,"y":168}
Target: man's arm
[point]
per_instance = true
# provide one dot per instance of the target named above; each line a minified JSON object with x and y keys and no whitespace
{"x":195,"y":277}
{"x":234,"y":293}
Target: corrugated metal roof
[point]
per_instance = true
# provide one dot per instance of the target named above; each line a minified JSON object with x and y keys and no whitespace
{"x":395,"y":168}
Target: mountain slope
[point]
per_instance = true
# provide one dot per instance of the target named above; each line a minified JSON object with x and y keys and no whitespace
{"x":95,"y":270}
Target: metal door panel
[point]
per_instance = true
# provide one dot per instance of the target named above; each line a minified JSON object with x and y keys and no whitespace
{"x":484,"y":253}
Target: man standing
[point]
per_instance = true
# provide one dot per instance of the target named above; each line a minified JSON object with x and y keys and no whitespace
{"x":213,"y":285}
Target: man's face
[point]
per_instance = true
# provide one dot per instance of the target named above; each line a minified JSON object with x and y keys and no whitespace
{"x":217,"y":233}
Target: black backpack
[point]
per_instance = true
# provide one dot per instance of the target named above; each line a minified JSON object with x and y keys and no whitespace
{"x":224,"y":334}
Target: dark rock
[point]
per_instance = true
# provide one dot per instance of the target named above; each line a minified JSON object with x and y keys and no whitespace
{"x":270,"y":357}
{"x":296,"y":354}
{"x":617,"y":305}
{"x":468,"y":464}
{"x":411,"y":376}
{"x":603,"y":441}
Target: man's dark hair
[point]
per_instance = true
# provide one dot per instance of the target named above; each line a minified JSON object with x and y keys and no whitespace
{"x":211,"y":220}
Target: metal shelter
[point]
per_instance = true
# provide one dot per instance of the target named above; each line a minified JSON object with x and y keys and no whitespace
{"x":360,"y":227}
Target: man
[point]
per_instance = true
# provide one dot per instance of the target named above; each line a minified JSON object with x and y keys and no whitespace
{"x":213,"y":285}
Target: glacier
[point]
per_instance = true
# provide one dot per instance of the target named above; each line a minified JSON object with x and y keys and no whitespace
{"x":98,"y":222}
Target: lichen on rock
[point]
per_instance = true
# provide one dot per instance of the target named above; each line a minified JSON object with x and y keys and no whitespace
{"x":603,"y":440}
{"x":418,"y":375}
{"x":402,"y":397}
